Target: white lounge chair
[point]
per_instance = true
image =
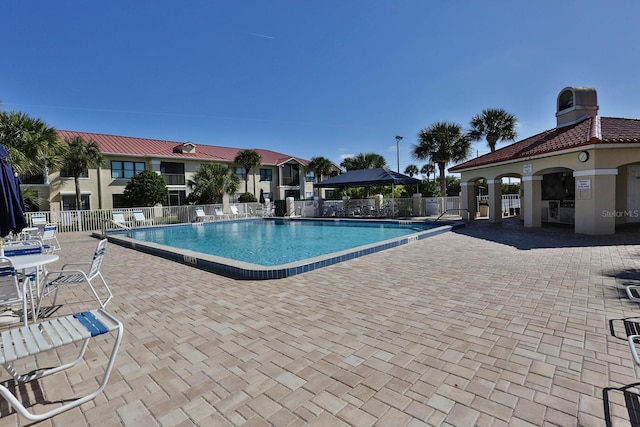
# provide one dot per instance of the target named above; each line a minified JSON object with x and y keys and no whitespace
{"x":219,"y":213}
{"x":201,"y":216}
{"x":119,"y":220}
{"x":141,"y":219}
{"x":234,"y":211}
{"x":73,"y":274}
{"x":12,"y":292}
{"x":29,"y":341}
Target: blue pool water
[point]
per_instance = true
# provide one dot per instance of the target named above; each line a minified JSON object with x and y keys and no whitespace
{"x":274,"y":242}
{"x":272,"y":248}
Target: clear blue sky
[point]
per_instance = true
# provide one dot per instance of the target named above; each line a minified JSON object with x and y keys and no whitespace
{"x":325,"y":78}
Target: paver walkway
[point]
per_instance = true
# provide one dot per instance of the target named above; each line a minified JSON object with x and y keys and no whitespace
{"x":491,"y":325}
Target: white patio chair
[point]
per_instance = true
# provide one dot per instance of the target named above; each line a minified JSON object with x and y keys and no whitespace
{"x":141,"y":219}
{"x":234,"y":211}
{"x":29,"y":341}
{"x":201,"y":216}
{"x":119,"y":220}
{"x":12,"y":292}
{"x":219,"y":213}
{"x":73,"y":274}
{"x":49,"y":238}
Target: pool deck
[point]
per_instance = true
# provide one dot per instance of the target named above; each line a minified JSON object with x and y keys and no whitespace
{"x":488,"y":325}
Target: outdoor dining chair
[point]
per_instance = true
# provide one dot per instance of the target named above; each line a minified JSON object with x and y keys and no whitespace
{"x":74,"y":274}
{"x":13,"y":292}
{"x":49,"y":238}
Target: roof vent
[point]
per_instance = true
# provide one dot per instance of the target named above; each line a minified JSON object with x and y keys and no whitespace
{"x":575,"y":104}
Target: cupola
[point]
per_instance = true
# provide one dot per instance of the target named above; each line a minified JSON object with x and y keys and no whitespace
{"x":575,"y":104}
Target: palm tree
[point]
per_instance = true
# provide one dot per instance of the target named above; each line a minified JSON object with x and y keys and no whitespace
{"x":428,"y":169}
{"x":33,"y":146}
{"x":211,"y":181}
{"x":494,"y":124}
{"x":81,"y":155}
{"x":363,"y":161}
{"x":249,"y":159}
{"x":411,"y":170}
{"x":320,"y":166}
{"x":441,"y":143}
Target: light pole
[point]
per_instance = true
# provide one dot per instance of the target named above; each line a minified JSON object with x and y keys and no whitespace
{"x":398,"y":139}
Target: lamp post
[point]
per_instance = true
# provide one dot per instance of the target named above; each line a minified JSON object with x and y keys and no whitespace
{"x":398,"y":139}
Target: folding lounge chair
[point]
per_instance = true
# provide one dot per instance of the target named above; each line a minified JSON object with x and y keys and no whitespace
{"x":219,"y":213}
{"x":13,"y":291}
{"x":72,"y":274}
{"x":140,"y":218}
{"x":31,"y":340}
{"x":201,"y":216}
{"x":234,"y":211}
{"x":119,"y":220}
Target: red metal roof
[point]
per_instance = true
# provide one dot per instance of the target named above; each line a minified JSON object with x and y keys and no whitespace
{"x":594,"y":130}
{"x":143,"y":147}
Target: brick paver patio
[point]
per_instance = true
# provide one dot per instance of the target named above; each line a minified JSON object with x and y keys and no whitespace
{"x":491,"y":325}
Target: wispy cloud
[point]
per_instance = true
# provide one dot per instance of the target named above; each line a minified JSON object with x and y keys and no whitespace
{"x":264,"y":36}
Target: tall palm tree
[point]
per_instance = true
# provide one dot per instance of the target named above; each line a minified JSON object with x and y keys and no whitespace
{"x":211,"y":181}
{"x":411,"y":170}
{"x":81,"y":155}
{"x":249,"y":159}
{"x":441,"y":143}
{"x":494,"y":124}
{"x":320,"y":166}
{"x":363,"y":161}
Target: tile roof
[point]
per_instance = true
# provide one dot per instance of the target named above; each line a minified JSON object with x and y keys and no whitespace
{"x":143,"y":147}
{"x":593,"y":130}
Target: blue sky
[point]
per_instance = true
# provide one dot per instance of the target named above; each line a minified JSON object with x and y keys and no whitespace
{"x":325,"y":78}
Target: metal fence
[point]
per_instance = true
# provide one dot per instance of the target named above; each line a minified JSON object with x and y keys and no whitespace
{"x":101,"y":219}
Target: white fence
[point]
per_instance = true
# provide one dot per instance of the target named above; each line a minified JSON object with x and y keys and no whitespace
{"x":95,"y":220}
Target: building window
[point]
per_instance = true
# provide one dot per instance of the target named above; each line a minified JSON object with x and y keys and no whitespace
{"x":69,"y":202}
{"x":125,"y":170}
{"x":266,"y":175}
{"x":290,"y":175}
{"x":240,"y":171}
{"x":309,"y":176}
{"x":118,"y":201}
{"x":65,"y":174}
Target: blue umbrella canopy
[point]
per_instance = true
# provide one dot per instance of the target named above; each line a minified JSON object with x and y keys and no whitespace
{"x":11,"y":204}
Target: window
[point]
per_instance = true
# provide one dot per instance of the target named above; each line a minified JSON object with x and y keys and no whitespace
{"x":118,"y":200}
{"x":290,"y":175}
{"x":266,"y":175}
{"x":309,"y":176}
{"x":125,"y":170}
{"x":69,"y":202}
{"x":240,"y":172}
{"x":65,"y":174}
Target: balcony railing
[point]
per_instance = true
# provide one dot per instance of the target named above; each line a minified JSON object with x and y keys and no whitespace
{"x":173,"y":178}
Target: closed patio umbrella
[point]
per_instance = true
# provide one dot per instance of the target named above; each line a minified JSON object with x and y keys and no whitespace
{"x":11,"y":204}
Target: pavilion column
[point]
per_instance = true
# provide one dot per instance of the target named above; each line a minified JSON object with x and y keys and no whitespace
{"x":532,"y":200}
{"x":468,"y":199}
{"x":595,"y":208}
{"x":495,"y":200}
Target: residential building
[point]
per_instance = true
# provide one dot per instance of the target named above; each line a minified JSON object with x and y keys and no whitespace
{"x":280,"y":175}
{"x":584,"y":172}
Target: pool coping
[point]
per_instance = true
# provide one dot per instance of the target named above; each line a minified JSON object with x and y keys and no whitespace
{"x":241,"y":270}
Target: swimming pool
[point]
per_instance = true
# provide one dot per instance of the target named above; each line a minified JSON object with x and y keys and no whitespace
{"x":272,"y":248}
